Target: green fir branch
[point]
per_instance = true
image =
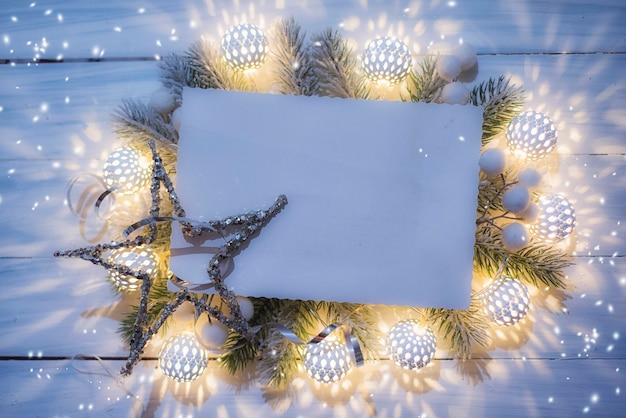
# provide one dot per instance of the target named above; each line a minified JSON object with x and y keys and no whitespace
{"x":136,"y":121}
{"x":425,"y":84}
{"x":464,"y":330}
{"x":502,"y":101}
{"x":291,"y":57}
{"x":173,"y":75}
{"x":207,"y":70}
{"x":359,"y":319}
{"x":538,"y":264}
{"x":334,"y":68}
{"x":159,"y":297}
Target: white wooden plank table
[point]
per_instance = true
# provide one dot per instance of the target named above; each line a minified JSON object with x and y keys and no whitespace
{"x":55,"y":123}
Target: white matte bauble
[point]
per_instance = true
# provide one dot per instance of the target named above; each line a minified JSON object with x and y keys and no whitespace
{"x":455,"y":93}
{"x":514,"y":237}
{"x":506,"y":300}
{"x":176,"y":118}
{"x":162,"y":101}
{"x":411,"y":345}
{"x":182,"y":358}
{"x":246,"y":307}
{"x":516,"y":199}
{"x":212,"y":335}
{"x":448,"y":67}
{"x":327,"y":361}
{"x":492,"y":162}
{"x":244,"y":47}
{"x":138,"y":259}
{"x":126,"y":171}
{"x":386,"y":59}
{"x":530,"y":178}
{"x":556,"y":220}
{"x":531,"y":135}
{"x":466,"y":54}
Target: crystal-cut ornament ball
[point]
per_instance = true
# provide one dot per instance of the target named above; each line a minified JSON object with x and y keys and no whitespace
{"x":506,"y":300}
{"x":386,"y":59}
{"x":556,"y":220}
{"x":126,"y":171}
{"x":244,"y":47}
{"x":327,"y":361}
{"x":182,"y":358}
{"x":531,"y":135}
{"x":138,"y":259}
{"x":411,"y":345}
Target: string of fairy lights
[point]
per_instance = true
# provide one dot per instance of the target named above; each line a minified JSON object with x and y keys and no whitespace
{"x":410,"y":344}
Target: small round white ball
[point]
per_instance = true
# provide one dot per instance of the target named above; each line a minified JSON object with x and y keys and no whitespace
{"x":516,"y":199}
{"x":246,"y":306}
{"x":448,"y":67}
{"x":211,"y":335}
{"x":162,"y":101}
{"x":455,"y":93}
{"x":466,"y":54}
{"x":514,"y":237}
{"x":530,"y":177}
{"x":492,"y":162}
{"x":176,"y":119}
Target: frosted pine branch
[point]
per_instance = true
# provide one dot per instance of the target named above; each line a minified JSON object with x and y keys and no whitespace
{"x":334,"y":69}
{"x":134,"y":120}
{"x":291,"y":57}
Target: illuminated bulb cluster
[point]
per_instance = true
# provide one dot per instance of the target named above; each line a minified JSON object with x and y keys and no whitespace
{"x":244,"y":47}
{"x":327,"y":361}
{"x":182,"y":358}
{"x":126,"y":171}
{"x":506,"y":300}
{"x":556,"y":219}
{"x":531,"y":135}
{"x":137,"y":259}
{"x":386,"y":59}
{"x":411,"y":345}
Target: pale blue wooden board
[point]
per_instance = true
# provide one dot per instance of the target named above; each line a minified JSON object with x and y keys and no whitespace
{"x":56,"y":307}
{"x":571,"y":388}
{"x":109,"y":30}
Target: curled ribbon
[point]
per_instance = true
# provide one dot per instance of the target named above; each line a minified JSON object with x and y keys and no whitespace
{"x":354,"y":348}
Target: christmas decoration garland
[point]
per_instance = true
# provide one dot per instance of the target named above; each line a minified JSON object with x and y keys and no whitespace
{"x":517,"y":225}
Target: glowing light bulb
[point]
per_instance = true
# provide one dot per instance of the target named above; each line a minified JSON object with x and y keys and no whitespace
{"x":506,"y":300}
{"x":244,"y":47}
{"x":126,"y":171}
{"x":556,"y":220}
{"x":182,"y":358}
{"x":386,"y":60}
{"x":411,"y":345}
{"x":531,"y":135}
{"x":141,"y":258}
{"x":327,"y":361}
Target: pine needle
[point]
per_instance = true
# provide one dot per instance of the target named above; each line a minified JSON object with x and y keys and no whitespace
{"x":334,"y":69}
{"x":207,"y":70}
{"x":291,"y":58}
{"x":502,"y":101}
{"x":425,"y":84}
{"x":463,"y":329}
{"x":134,"y":120}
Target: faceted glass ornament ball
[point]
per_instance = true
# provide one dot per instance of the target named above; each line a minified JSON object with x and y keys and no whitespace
{"x":138,"y":259}
{"x":506,"y":300}
{"x":531,"y":135}
{"x":182,"y":358}
{"x":126,"y":171}
{"x":411,"y":345}
{"x":244,"y":47}
{"x":327,"y":361}
{"x":386,"y":60}
{"x":556,"y":219}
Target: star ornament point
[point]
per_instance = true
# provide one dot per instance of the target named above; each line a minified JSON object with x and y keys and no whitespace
{"x":236,"y":230}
